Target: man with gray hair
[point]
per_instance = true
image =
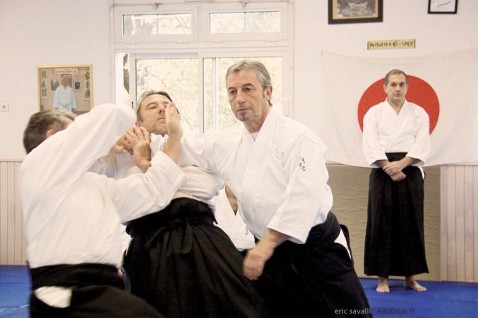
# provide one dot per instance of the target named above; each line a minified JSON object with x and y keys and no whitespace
{"x":178,"y":260}
{"x":277,"y":169}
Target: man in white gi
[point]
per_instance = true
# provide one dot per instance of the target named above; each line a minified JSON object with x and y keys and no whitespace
{"x":71,"y":215}
{"x":276,"y":168}
{"x":177,"y":259}
{"x":396,"y":142}
{"x":64,"y":97}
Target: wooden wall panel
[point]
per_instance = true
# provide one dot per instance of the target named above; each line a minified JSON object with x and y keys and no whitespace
{"x":474,"y":234}
{"x":3,"y":214}
{"x":20,"y":246}
{"x":11,"y":212}
{"x":451,"y":217}
{"x":460,"y":203}
{"x":12,"y":243}
{"x":468,"y":224}
{"x":459,"y":221}
{"x":449,"y":214}
{"x":443,"y":225}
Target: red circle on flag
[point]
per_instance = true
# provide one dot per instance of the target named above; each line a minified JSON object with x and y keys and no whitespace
{"x":419,"y":92}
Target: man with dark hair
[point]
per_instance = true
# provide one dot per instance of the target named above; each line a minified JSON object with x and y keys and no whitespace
{"x":44,"y":124}
{"x":71,"y":215}
{"x":165,"y":99}
{"x":396,"y":143}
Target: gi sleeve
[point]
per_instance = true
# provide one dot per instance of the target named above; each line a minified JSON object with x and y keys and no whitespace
{"x":65,"y":156}
{"x":307,"y":198}
{"x":140,"y":194}
{"x":194,"y":150}
{"x":371,"y":146}
{"x":421,"y":146}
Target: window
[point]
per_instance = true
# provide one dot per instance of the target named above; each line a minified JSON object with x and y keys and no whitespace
{"x":245,"y":22}
{"x":156,"y":24}
{"x":165,"y":48}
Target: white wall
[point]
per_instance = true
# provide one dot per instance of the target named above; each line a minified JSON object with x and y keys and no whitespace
{"x":402,"y":19}
{"x":50,"y":32}
{"x":47,"y":32}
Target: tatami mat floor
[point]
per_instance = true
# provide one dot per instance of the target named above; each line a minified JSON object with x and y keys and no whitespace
{"x":443,"y":299}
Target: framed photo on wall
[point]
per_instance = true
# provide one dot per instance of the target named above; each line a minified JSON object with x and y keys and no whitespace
{"x":66,"y":87}
{"x":355,"y":11}
{"x":442,"y":6}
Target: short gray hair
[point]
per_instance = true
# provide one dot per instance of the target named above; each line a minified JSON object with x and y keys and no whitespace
{"x":255,"y":66}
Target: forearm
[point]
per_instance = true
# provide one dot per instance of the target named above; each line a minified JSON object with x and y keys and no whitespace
{"x":408,"y":161}
{"x":172,"y":147}
{"x":139,"y":194}
{"x":381,"y":163}
{"x":143,"y":165}
{"x":272,"y":239}
{"x":395,"y":167}
{"x":257,"y":257}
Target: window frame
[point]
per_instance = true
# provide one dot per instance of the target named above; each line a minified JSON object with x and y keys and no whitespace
{"x":200,"y":44}
{"x":164,"y":9}
{"x":246,"y":37}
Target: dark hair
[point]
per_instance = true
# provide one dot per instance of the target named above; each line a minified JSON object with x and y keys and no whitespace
{"x":147,"y":94}
{"x":395,"y":72}
{"x":40,"y":123}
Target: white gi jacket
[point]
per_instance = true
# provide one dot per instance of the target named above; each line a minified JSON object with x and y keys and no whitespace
{"x":71,"y":216}
{"x":232,"y":223}
{"x":64,"y":98}
{"x":199,"y":185}
{"x":385,"y":131}
{"x":280,"y":179}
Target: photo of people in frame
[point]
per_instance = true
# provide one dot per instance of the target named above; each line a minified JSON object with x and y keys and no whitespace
{"x":65,"y":87}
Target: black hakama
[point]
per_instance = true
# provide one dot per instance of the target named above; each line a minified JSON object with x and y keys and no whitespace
{"x":97,"y":291}
{"x":185,"y":266}
{"x":394,"y":242}
{"x":315,"y":279}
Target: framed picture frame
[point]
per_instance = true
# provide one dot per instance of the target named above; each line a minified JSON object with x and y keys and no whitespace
{"x":355,"y":11}
{"x":442,"y":6}
{"x":65,"y":87}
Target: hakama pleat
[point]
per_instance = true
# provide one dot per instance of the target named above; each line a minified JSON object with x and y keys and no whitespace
{"x":394,"y":242}
{"x":186,"y":266}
